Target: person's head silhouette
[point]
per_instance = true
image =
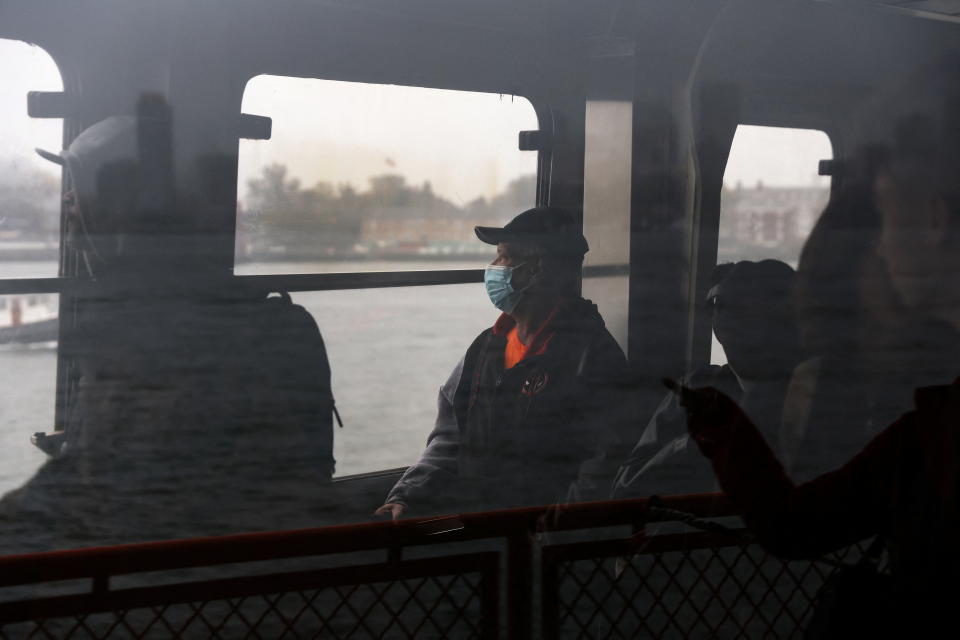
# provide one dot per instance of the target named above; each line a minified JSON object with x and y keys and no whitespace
{"x":753,"y":318}
{"x":917,"y":192}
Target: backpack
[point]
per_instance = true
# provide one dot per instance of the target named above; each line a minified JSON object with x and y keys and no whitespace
{"x":194,"y":416}
{"x":282,"y":367}
{"x":253,"y":402}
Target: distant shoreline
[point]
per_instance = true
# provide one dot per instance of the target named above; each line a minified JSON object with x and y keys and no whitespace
{"x":29,"y":254}
{"x":52,"y":254}
{"x":48,"y":254}
{"x":379,"y":256}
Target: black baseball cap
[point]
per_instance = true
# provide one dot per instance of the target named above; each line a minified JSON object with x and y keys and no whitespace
{"x":769,"y":280}
{"x":552,"y":228}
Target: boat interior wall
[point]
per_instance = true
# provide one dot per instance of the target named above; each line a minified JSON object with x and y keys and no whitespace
{"x":790,"y":62}
{"x":638,"y":102}
{"x":698,"y":72}
{"x":812,"y":60}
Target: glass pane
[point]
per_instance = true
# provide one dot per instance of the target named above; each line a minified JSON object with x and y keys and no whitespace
{"x":606,"y":207}
{"x":358,"y":174}
{"x":28,"y":377}
{"x":29,"y":185}
{"x":390,"y":350}
{"x":772,"y":196}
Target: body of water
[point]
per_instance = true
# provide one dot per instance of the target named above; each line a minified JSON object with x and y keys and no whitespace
{"x":389,"y":349}
{"x":28,"y":380}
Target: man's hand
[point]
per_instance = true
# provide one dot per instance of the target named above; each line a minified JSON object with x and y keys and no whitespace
{"x":395,"y":510}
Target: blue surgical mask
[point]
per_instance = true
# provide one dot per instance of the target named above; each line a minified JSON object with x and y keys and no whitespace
{"x":498,"y":281}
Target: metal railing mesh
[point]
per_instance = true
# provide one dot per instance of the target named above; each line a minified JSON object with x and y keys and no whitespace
{"x":735,"y":591}
{"x":664,"y":581}
{"x":433,"y":606}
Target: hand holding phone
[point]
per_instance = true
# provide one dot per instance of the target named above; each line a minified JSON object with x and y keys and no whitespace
{"x":692,"y":400}
{"x":710,"y":414}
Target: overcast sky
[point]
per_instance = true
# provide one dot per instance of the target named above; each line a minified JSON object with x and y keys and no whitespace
{"x":464,"y":144}
{"x":26,"y":68}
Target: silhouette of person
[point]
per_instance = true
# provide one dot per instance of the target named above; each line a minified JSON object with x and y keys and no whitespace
{"x":842,"y":296}
{"x":185,"y":402}
{"x":753,"y":319}
{"x":905,"y":484}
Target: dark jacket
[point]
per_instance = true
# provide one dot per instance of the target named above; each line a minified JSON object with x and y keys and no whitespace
{"x":547,"y":429}
{"x":664,"y":461}
{"x":905,"y":485}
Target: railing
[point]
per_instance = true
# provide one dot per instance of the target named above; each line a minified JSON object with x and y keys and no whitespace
{"x":318,"y":281}
{"x":647,"y":583}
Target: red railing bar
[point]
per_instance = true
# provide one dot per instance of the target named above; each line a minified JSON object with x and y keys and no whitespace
{"x":252,"y":547}
{"x":589,"y":515}
{"x":246,"y":586}
{"x":657,"y":543}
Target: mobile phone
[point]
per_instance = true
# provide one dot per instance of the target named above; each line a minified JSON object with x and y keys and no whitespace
{"x":689,"y":398}
{"x":673,"y":385}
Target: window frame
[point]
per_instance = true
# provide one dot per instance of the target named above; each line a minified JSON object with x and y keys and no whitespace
{"x":405,"y":278}
{"x":353,"y":280}
{"x":63,"y":284}
{"x":700,"y":347}
{"x":69,"y":279}
{"x":28,"y":286}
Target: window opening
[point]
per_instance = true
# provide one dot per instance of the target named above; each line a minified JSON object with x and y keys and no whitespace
{"x":29,"y":185}
{"x":606,"y":207}
{"x":28,"y":368}
{"x":365,"y":177}
{"x":390,"y":350}
{"x":29,"y":248}
{"x":772,"y":196}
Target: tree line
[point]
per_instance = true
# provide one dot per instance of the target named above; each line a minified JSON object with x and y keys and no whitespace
{"x":275,"y":204}
{"x":30,"y":200}
{"x":279,"y":206}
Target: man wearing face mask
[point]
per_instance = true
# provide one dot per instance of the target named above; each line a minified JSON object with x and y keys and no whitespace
{"x":537,"y":409}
